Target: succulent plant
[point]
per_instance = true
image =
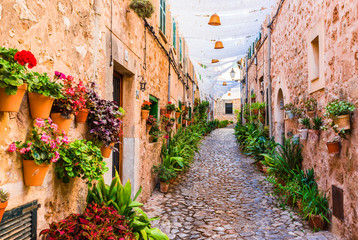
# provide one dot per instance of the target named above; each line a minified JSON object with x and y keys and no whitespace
{"x":4,"y":195}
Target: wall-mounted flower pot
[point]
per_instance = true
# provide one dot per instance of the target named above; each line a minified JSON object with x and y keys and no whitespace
{"x":296,"y":138}
{"x":188,"y":122}
{"x":316,"y":222}
{"x":63,"y":124}
{"x":303,"y":133}
{"x":12,"y":103}
{"x":182,"y":108}
{"x":2,"y":209}
{"x":149,"y":127}
{"x":333,"y":147}
{"x":343,"y":122}
{"x":34,"y":174}
{"x":313,"y":135}
{"x":168,"y":128}
{"x":178,"y":125}
{"x":184,"y":122}
{"x":311,"y":113}
{"x":82,"y":116}
{"x":164,"y":187}
{"x":145,"y":114}
{"x":169,"y":112}
{"x":107,"y":150}
{"x":177,"y":115}
{"x":163,"y":111}
{"x":40,"y":105}
{"x":289,"y":114}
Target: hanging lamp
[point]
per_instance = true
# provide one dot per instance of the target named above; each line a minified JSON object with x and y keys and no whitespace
{"x":224,"y":83}
{"x":218,"y":45}
{"x":214,"y":61}
{"x":229,"y":94}
{"x":214,"y":20}
{"x":232,"y":74}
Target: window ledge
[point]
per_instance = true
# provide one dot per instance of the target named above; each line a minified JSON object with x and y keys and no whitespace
{"x":163,"y":36}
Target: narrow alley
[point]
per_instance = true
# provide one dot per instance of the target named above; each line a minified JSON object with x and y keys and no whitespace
{"x":223,"y":196}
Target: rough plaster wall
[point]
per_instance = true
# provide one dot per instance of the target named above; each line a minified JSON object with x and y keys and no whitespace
{"x":290,"y":73}
{"x":220,"y":110}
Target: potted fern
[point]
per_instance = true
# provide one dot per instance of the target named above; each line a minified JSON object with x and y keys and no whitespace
{"x":143,"y":8}
{"x":4,"y":197}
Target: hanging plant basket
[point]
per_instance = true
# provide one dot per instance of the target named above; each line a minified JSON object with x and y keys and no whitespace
{"x":143,"y":8}
{"x":34,"y":174}
{"x":11,"y":103}
{"x":40,"y":105}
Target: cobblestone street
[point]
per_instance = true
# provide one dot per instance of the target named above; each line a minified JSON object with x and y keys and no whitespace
{"x":223,"y":196}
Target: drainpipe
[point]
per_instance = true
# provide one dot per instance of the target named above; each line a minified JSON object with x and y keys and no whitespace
{"x":169,"y":77}
{"x":269,"y":80}
{"x":247,"y":81}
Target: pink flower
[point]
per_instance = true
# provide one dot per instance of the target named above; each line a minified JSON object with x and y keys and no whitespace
{"x":45,"y":138}
{"x":53,"y":145}
{"x":39,"y":122}
{"x":58,"y":141}
{"x":166,"y":136}
{"x":56,"y":157}
{"x":28,"y":149}
{"x":12,"y":147}
{"x":54,"y":126}
{"x":29,"y":144}
{"x":65,"y":140}
{"x":49,"y":120}
{"x":70,"y":78}
{"x":23,"y":150}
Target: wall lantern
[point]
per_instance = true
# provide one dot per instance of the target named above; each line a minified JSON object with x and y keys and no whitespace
{"x":232,"y":74}
{"x":214,"y":20}
{"x":214,"y":61}
{"x":219,"y":45}
{"x":255,"y":61}
{"x":224,"y":83}
{"x":281,"y":104}
{"x":142,"y":83}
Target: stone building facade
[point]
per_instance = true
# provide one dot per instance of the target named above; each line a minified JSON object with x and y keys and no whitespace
{"x":314,"y":54}
{"x":225,"y":107}
{"x":107,"y":43}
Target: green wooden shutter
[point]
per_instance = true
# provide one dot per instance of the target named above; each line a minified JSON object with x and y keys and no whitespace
{"x":154,"y":107}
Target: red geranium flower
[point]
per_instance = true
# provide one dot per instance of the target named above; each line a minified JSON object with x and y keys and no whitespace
{"x":25,"y":57}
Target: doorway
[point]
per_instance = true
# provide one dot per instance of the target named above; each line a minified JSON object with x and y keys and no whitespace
{"x":117,"y":156}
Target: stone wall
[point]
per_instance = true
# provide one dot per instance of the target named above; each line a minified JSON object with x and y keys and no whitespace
{"x":335,"y":23}
{"x":219,"y":112}
{"x":76,"y":39}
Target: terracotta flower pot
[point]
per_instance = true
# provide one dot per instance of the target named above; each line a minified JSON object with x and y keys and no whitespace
{"x":182,"y":108}
{"x":82,"y":116}
{"x":178,"y":125}
{"x":149,"y":127}
{"x":265,"y":169}
{"x":164,"y":187}
{"x":168,"y":128}
{"x":333,"y":147}
{"x":34,"y":174}
{"x":188,"y":122}
{"x":177,"y":115}
{"x":63,"y":124}
{"x":169,"y":112}
{"x":259,"y":166}
{"x":311,"y":113}
{"x":163,"y":111}
{"x":12,"y":103}
{"x":106,"y":151}
{"x":303,"y":133}
{"x":316,"y":222}
{"x":313,"y":135}
{"x":145,"y":114}
{"x":2,"y":209}
{"x":343,"y":122}
{"x":40,"y":105}
{"x":172,"y":180}
{"x":184,"y":122}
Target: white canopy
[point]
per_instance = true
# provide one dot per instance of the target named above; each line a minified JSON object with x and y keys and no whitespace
{"x":240,"y":25}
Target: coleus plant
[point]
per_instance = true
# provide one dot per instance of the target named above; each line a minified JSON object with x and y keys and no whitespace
{"x":73,"y":96}
{"x":97,"y":222}
{"x":104,"y":120}
{"x":80,"y":159}
{"x":44,"y":143}
{"x":13,"y":68}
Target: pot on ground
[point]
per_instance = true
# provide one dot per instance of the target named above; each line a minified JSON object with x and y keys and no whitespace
{"x":40,"y":105}
{"x":343,"y":122}
{"x":303,"y":133}
{"x":259,"y":166}
{"x":34,"y":174}
{"x":313,"y":135}
{"x":12,"y":103}
{"x":265,"y":169}
{"x":316,"y":222}
{"x":82,"y":116}
{"x":333,"y":147}
{"x":145,"y":114}
{"x":164,"y":187}
{"x":2,"y":209}
{"x":107,"y":150}
{"x":63,"y":124}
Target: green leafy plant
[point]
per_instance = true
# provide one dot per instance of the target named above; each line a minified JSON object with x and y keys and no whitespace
{"x":317,"y":123}
{"x":339,"y":108}
{"x":119,"y":197}
{"x":143,"y":8}
{"x":97,"y":222}
{"x":4,"y":196}
{"x":41,"y":84}
{"x":297,"y":112}
{"x":13,"y":71}
{"x":80,"y":159}
{"x":306,"y":122}
{"x":155,"y":131}
{"x":311,"y":104}
{"x":170,"y":106}
{"x":253,"y":95}
{"x":289,"y":107}
{"x":258,"y":105}
{"x":164,"y":173}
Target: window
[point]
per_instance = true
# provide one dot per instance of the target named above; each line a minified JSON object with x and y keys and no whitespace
{"x":180,"y":50}
{"x":154,"y":106}
{"x":228,"y":108}
{"x":174,"y":35}
{"x":315,"y":58}
{"x":163,"y":16}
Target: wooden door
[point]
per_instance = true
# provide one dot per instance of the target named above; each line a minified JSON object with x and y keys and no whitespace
{"x":117,"y":161}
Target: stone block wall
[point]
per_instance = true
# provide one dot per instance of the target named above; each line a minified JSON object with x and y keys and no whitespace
{"x":219,"y":112}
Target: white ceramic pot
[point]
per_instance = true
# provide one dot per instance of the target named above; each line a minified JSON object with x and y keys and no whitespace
{"x":303,"y":133}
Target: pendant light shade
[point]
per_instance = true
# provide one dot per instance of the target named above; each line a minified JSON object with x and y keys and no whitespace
{"x":224,"y":83}
{"x":214,"y":20}
{"x":229,"y":94}
{"x":219,"y":45}
{"x":214,"y":61}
